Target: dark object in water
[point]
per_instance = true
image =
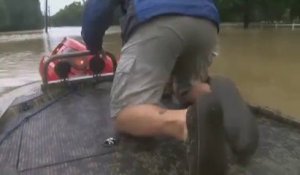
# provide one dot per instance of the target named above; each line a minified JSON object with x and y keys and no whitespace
{"x":239,"y":122}
{"x":206,"y":142}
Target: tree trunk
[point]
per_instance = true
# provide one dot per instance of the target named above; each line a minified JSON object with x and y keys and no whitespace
{"x":247,"y":13}
{"x":246,"y":21}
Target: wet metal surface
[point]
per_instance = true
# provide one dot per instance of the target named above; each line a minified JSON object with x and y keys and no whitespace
{"x":71,"y":137}
{"x":68,"y":138}
{"x":12,"y":97}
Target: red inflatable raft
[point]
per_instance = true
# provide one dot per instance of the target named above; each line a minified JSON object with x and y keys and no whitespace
{"x":71,"y":60}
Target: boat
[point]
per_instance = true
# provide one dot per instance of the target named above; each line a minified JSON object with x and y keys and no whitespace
{"x":55,"y":68}
{"x":68,"y":130}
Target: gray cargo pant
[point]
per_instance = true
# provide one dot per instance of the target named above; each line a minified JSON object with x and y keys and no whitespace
{"x":178,"y":46}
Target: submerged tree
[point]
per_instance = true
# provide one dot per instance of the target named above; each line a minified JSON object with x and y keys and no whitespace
{"x":247,"y":11}
{"x":247,"y":7}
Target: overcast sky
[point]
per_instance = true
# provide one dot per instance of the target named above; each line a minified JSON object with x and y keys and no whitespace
{"x":56,"y":5}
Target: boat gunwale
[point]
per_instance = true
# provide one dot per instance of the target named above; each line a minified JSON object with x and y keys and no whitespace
{"x":57,"y":90}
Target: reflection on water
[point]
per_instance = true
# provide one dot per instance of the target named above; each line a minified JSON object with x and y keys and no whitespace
{"x":264,"y":63}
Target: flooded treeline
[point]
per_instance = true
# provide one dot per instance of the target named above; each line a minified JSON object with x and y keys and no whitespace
{"x":245,"y":11}
{"x":71,"y":15}
{"x":26,"y":14}
{"x":20,"y":15}
{"x":248,"y":11}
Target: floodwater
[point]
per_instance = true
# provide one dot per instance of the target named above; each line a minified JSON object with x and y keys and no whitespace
{"x":265,"y":63}
{"x":20,"y":53}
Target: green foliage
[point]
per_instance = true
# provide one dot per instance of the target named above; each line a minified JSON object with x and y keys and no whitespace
{"x":295,"y":9}
{"x":259,"y":10}
{"x":71,"y":15}
{"x":230,"y":10}
{"x":4,"y":18}
{"x":272,"y":10}
{"x":26,"y":14}
{"x":20,"y":15}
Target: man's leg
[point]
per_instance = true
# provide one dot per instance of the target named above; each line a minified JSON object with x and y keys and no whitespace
{"x":152,"y":120}
{"x":146,"y":63}
{"x":163,"y":121}
{"x":143,"y":71}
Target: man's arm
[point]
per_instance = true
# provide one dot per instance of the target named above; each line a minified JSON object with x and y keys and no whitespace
{"x":97,"y":17}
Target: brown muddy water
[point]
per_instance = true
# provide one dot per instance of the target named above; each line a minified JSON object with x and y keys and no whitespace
{"x":265,"y":63}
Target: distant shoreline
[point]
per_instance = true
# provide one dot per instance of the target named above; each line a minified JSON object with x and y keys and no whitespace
{"x":225,"y":24}
{"x":22,"y":32}
{"x":40,"y":31}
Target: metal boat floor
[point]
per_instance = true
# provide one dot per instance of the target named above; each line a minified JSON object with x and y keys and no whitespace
{"x":67,"y":138}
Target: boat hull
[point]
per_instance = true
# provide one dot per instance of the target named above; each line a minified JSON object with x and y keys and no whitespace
{"x":66,"y":130}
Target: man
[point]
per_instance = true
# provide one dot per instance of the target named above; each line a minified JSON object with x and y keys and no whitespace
{"x":164,"y":38}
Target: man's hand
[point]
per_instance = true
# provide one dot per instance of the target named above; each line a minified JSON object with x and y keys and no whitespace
{"x":97,"y":63}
